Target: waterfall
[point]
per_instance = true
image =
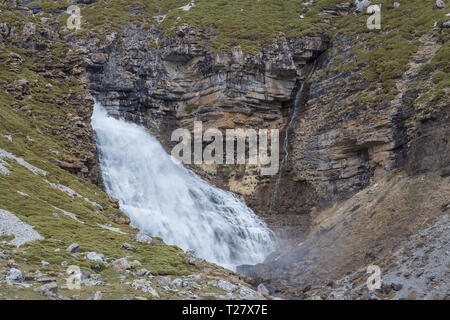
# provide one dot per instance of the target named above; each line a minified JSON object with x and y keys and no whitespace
{"x":164,"y":199}
{"x":298,"y":97}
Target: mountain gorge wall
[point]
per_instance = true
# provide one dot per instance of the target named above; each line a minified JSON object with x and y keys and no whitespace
{"x":180,"y":82}
{"x":349,"y":132}
{"x":340,"y":143}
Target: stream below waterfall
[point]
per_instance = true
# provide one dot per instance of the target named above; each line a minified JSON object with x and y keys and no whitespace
{"x":164,"y":199}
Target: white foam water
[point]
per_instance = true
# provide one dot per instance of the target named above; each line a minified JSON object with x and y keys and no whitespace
{"x":163,"y":198}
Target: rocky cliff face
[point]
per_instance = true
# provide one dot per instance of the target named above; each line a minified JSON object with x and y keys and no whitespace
{"x":374,"y":111}
{"x":180,"y":82}
{"x":49,"y":57}
{"x":53,"y":211}
{"x":344,"y":139}
{"x":341,"y":144}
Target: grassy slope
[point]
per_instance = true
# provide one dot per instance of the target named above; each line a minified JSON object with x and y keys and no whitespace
{"x":29,"y":142}
{"x":35,"y":128}
{"x":382,"y":54}
{"x":382,"y":59}
{"x":252,"y":24}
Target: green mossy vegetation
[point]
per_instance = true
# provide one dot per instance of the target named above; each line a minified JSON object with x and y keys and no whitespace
{"x":384,"y":54}
{"x":33,"y":126}
{"x":332,"y":114}
{"x":381,"y":55}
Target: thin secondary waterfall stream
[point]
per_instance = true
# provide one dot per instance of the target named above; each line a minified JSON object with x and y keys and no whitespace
{"x":298,"y":96}
{"x":163,"y":198}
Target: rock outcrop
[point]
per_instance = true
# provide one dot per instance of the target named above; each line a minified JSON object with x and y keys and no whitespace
{"x":56,"y":61}
{"x":367,"y":125}
{"x":341,"y":145}
{"x":179,"y":82}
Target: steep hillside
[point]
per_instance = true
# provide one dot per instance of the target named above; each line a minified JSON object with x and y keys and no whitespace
{"x":51,"y":195}
{"x":369,"y":153}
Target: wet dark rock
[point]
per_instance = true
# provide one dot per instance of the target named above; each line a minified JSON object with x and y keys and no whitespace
{"x":445,"y":172}
{"x":396,"y":286}
{"x":35,"y":8}
{"x":73,"y":248}
{"x":385,"y":288}
{"x":306,"y":289}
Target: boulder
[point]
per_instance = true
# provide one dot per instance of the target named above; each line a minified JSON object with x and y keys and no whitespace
{"x":93,"y":256}
{"x":49,"y":289}
{"x":142,"y":237}
{"x":142,"y":272}
{"x":262,"y":289}
{"x":225,"y":285}
{"x":29,"y":29}
{"x":177,"y":282}
{"x":14,"y":276}
{"x":46,"y":280}
{"x":86,"y":1}
{"x":74,"y":247}
{"x":361,"y":5}
{"x":164,"y":281}
{"x":145,"y":286}
{"x":99,"y":58}
{"x":127,"y":246}
{"x":35,"y":8}
{"x":97,"y":296}
{"x":123,"y":264}
{"x":246,"y":293}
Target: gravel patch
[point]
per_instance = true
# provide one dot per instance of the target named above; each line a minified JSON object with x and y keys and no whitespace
{"x":11,"y":225}
{"x":71,"y":193}
{"x":419,"y":270}
{"x":110,"y":228}
{"x":3,"y":169}
{"x":422,"y":265}
{"x":69,"y":214}
{"x":6,"y":154}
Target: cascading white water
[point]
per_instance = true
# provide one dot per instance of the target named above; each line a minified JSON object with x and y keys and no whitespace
{"x":163,"y":198}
